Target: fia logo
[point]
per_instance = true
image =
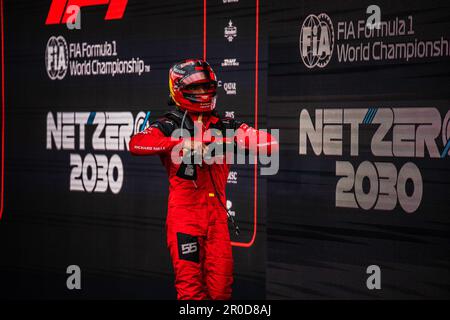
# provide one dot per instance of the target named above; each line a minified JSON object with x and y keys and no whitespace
{"x":316,"y":40}
{"x":56,"y":58}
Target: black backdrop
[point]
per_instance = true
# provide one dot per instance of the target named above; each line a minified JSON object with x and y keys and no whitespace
{"x":311,"y":248}
{"x":316,"y":249}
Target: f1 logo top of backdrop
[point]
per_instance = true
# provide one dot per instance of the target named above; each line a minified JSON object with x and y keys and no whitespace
{"x":58,"y":9}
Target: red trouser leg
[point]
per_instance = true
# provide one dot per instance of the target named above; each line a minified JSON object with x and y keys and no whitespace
{"x":185,"y":239}
{"x":218,"y":263}
{"x":200,"y":247}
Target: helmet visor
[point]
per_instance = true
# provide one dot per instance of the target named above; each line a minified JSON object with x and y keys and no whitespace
{"x":192,"y":81}
{"x":200,"y":88}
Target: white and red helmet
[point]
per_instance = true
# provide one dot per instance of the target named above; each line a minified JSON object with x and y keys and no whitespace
{"x":186,"y":75}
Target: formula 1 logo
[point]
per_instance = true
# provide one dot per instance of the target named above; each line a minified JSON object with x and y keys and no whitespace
{"x":58,"y":13}
{"x":316,"y":40}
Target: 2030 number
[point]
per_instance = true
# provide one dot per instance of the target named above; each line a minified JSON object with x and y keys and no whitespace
{"x":386,"y":186}
{"x":95,"y":173}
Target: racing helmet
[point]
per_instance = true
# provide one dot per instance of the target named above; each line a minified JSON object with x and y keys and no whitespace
{"x":193,"y":85}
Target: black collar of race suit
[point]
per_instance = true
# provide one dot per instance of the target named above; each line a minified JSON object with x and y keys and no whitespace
{"x":177,"y":116}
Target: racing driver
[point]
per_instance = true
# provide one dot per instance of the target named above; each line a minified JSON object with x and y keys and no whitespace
{"x":197,"y":219}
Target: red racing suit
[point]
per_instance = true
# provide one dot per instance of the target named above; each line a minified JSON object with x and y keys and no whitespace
{"x":197,"y":223}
